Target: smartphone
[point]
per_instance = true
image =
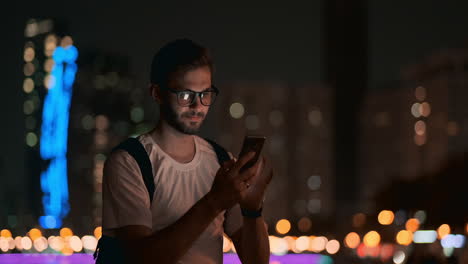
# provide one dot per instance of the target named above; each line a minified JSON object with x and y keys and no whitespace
{"x":252,"y":143}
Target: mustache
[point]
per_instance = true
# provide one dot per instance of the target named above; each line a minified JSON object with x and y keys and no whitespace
{"x":193,"y":114}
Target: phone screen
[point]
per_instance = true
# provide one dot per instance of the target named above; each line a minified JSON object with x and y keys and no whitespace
{"x":252,"y":143}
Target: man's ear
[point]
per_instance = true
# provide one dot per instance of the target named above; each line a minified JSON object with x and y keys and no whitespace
{"x":155,"y":92}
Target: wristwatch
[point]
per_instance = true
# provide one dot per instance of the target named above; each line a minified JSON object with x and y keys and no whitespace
{"x":252,"y":213}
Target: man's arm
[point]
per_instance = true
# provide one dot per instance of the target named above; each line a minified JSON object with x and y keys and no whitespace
{"x":251,"y":241}
{"x":171,"y":243}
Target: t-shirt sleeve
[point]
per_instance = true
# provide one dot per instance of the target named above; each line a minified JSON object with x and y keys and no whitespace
{"x":125,"y":197}
{"x":232,"y":220}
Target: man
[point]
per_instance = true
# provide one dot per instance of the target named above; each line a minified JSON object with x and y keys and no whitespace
{"x":195,"y":199}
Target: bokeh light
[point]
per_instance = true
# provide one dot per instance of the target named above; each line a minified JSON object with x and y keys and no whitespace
{"x":332,"y":246}
{"x":318,"y":244}
{"x":302,"y":243}
{"x":29,"y":54}
{"x":352,"y":240}
{"x":237,"y":110}
{"x":66,"y":232}
{"x":34,"y":233}
{"x":404,"y":237}
{"x":28,"y":85}
{"x":304,"y":224}
{"x":415,"y":110}
{"x":76,"y":244}
{"x":359,"y":220}
{"x":399,"y":257}
{"x":420,"y":93}
{"x":26,"y":243}
{"x":386,"y":217}
{"x":98,"y":232}
{"x":420,"y":128}
{"x":5,"y":233}
{"x":443,"y":231}
{"x":226,"y":244}
{"x":425,"y":109}
{"x":40,"y":244}
{"x":371,"y":239}
{"x":315,"y":117}
{"x":283,"y":226}
{"x":421,"y":216}
{"x":412,"y":225}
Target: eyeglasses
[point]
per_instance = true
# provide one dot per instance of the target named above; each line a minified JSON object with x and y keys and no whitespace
{"x":187,"y":97}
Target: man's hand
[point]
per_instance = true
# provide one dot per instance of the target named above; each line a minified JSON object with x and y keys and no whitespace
{"x":252,"y":197}
{"x":229,"y":185}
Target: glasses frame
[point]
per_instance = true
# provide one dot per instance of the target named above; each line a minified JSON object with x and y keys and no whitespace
{"x":197,"y":94}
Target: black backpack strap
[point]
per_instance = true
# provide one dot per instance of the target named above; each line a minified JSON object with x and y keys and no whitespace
{"x":221,"y":153}
{"x":138,"y":152}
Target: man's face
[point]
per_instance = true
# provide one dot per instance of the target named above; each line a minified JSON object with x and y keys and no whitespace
{"x":187,"y":119}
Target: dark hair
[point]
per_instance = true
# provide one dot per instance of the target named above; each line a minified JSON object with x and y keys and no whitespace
{"x":178,"y":56}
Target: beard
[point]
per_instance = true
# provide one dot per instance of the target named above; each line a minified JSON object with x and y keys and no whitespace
{"x":176,"y":120}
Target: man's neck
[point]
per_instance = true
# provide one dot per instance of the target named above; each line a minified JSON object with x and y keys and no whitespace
{"x":178,"y":145}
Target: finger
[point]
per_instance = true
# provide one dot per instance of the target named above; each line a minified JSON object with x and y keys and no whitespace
{"x":243,"y":160}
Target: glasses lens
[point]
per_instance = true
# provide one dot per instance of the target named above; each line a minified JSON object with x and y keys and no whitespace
{"x":186,"y":98}
{"x":207,"y":98}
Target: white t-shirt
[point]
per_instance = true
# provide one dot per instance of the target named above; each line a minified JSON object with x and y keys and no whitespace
{"x":178,"y":186}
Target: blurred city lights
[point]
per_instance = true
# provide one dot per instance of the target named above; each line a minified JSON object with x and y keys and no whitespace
{"x":315,"y":117}
{"x":283,"y":226}
{"x":237,"y":110}
{"x":28,"y":107}
{"x":415,"y":110}
{"x":302,"y":243}
{"x":352,"y":240}
{"x":420,"y":93}
{"x":420,"y":128}
{"x":40,"y":244}
{"x":359,"y":220}
{"x":304,"y":224}
{"x":421,"y":216}
{"x":453,"y":241}
{"x":98,"y":232}
{"x":102,"y":122}
{"x":332,"y":246}
{"x":425,"y":236}
{"x":252,"y":122}
{"x":28,"y":85}
{"x":54,"y":133}
{"x":34,"y":233}
{"x":412,"y":225}
{"x":386,"y":217}
{"x":137,"y":114}
{"x":29,"y":54}
{"x":314,"y":182}
{"x":443,"y":231}
{"x":404,"y":237}
{"x":452,"y":128}
{"x":29,"y":69}
{"x":5,"y":233}
{"x":425,"y":109}
{"x":4,"y":244}
{"x":278,"y":246}
{"x":26,"y":243}
{"x":31,"y":139}
{"x":276,"y":118}
{"x":49,"y":65}
{"x":318,"y":244}
{"x":66,"y":232}
{"x":400,"y":217}
{"x":76,"y":244}
{"x":371,"y":239}
{"x":420,"y":140}
{"x":399,"y":257}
